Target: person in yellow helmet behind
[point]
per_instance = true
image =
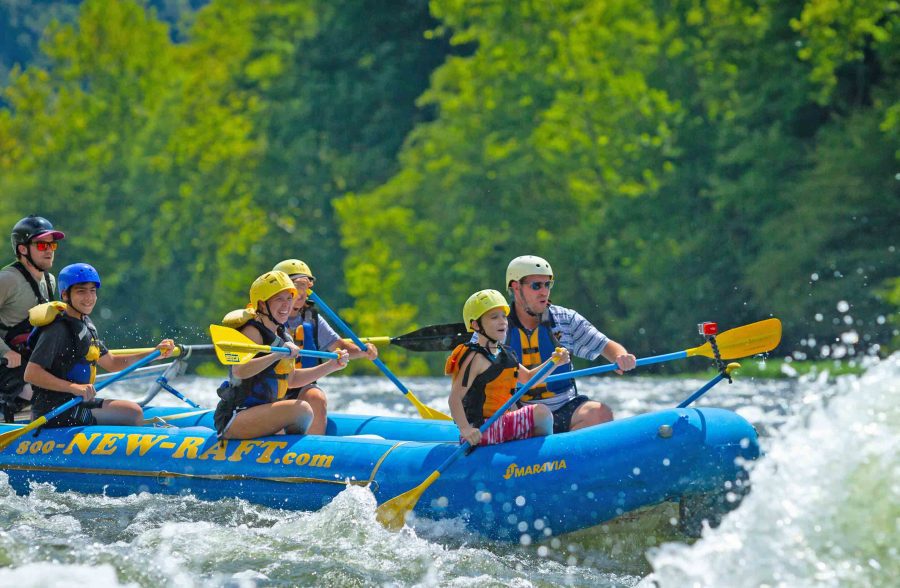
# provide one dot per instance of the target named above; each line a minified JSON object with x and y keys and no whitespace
{"x":485,"y":374}
{"x":254,"y":400}
{"x":311,"y":331}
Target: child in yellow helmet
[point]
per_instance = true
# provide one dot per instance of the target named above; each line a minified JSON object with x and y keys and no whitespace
{"x":485,"y":374}
{"x":253,"y":402}
{"x":311,"y":331}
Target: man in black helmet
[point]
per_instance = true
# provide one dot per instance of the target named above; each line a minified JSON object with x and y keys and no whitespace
{"x":23,"y":284}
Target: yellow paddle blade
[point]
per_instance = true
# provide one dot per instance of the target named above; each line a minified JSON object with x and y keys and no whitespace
{"x":425,"y":411}
{"x":10,"y":436}
{"x":232,"y":346}
{"x":744,"y":341}
{"x":392,"y":514}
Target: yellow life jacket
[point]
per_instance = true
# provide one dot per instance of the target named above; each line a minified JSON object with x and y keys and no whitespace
{"x":491,"y":388}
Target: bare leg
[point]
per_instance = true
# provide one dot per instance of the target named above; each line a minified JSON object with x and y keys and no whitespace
{"x":543,"y":420}
{"x":269,"y":419}
{"x":316,"y":399}
{"x":589,"y":414}
{"x":119,"y":412}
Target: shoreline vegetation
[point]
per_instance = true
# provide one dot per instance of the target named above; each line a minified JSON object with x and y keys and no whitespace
{"x":675,"y":162}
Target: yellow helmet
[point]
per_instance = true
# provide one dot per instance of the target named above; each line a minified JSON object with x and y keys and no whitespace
{"x":293,"y":267}
{"x":479,"y":303}
{"x":269,"y":284}
{"x":527,"y":265}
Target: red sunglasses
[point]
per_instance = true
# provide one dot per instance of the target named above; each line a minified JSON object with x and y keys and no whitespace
{"x":45,"y":245}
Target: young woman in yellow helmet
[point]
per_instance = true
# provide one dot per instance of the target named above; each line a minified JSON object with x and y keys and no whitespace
{"x":485,"y":373}
{"x":253,"y":401}
{"x":312,"y":332}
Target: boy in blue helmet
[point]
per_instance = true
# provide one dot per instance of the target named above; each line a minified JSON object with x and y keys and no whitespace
{"x":66,"y":350}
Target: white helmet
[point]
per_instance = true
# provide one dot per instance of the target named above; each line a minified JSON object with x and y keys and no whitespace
{"x":527,"y":265}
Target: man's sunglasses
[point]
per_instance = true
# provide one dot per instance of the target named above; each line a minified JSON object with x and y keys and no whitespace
{"x":45,"y":245}
{"x":299,"y":277}
{"x":538,"y":285}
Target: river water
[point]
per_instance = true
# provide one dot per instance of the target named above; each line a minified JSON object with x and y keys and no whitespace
{"x":824,"y":510}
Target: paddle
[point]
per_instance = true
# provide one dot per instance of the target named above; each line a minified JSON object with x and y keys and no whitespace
{"x":180,"y":350}
{"x":734,"y":343}
{"x":430,"y":338}
{"x":9,"y":437}
{"x":392,"y":514}
{"x":708,"y":386}
{"x":426,"y":412}
{"x":233,"y":347}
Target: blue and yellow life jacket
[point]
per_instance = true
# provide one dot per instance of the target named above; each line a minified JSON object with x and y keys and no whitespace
{"x":271,"y":384}
{"x":306,"y":336}
{"x":535,"y":348}
{"x":81,"y":367}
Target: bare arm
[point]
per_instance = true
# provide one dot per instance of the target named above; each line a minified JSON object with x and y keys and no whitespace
{"x":370,"y":352}
{"x":38,"y":376}
{"x":562,"y":358}
{"x":115,"y":363}
{"x":616,"y":353}
{"x":302,"y":376}
{"x":458,"y":391}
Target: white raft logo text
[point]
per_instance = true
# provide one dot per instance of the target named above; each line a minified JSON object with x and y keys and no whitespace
{"x":517,"y":471}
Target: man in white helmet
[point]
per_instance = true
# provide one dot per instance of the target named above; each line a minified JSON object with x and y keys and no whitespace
{"x":537,"y":327}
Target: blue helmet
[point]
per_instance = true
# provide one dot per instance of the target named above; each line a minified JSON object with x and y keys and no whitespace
{"x":77,"y":273}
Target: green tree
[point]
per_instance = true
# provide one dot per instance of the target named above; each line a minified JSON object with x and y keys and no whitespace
{"x":525,"y":156}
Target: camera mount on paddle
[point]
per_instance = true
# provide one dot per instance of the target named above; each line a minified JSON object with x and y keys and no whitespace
{"x":709,"y":330}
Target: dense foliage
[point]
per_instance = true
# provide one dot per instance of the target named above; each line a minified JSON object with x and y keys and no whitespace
{"x":676,"y":161}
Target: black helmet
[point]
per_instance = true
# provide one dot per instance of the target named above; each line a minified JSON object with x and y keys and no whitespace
{"x":30,"y":228}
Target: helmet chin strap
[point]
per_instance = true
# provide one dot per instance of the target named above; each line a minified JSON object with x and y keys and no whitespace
{"x":484,"y":334}
{"x":268,"y":313}
{"x":72,"y":305}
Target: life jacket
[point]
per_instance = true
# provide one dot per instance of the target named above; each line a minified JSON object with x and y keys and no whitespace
{"x":17,"y":334}
{"x":81,"y":366}
{"x":269,"y":385}
{"x":535,"y":348}
{"x":306,"y":336}
{"x":491,"y":388}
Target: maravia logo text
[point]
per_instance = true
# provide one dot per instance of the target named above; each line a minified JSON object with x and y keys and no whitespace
{"x":515,"y":470}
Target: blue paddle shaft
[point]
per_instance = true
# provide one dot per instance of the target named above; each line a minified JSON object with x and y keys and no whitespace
{"x":703,"y":390}
{"x":464,"y":446}
{"x":356,"y":340}
{"x":116,"y":377}
{"x":308,"y":352}
{"x":602,"y":369}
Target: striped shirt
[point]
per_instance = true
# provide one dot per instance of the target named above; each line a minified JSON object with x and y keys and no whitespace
{"x":580,"y":337}
{"x":577,"y":334}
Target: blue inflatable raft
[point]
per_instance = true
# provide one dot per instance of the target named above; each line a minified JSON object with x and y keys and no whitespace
{"x":537,"y":487}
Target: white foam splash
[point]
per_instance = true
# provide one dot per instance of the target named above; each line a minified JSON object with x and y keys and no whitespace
{"x":825,"y":503}
{"x":53,"y":575}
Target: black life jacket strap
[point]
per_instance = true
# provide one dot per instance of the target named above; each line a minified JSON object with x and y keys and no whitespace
{"x":34,"y":285}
